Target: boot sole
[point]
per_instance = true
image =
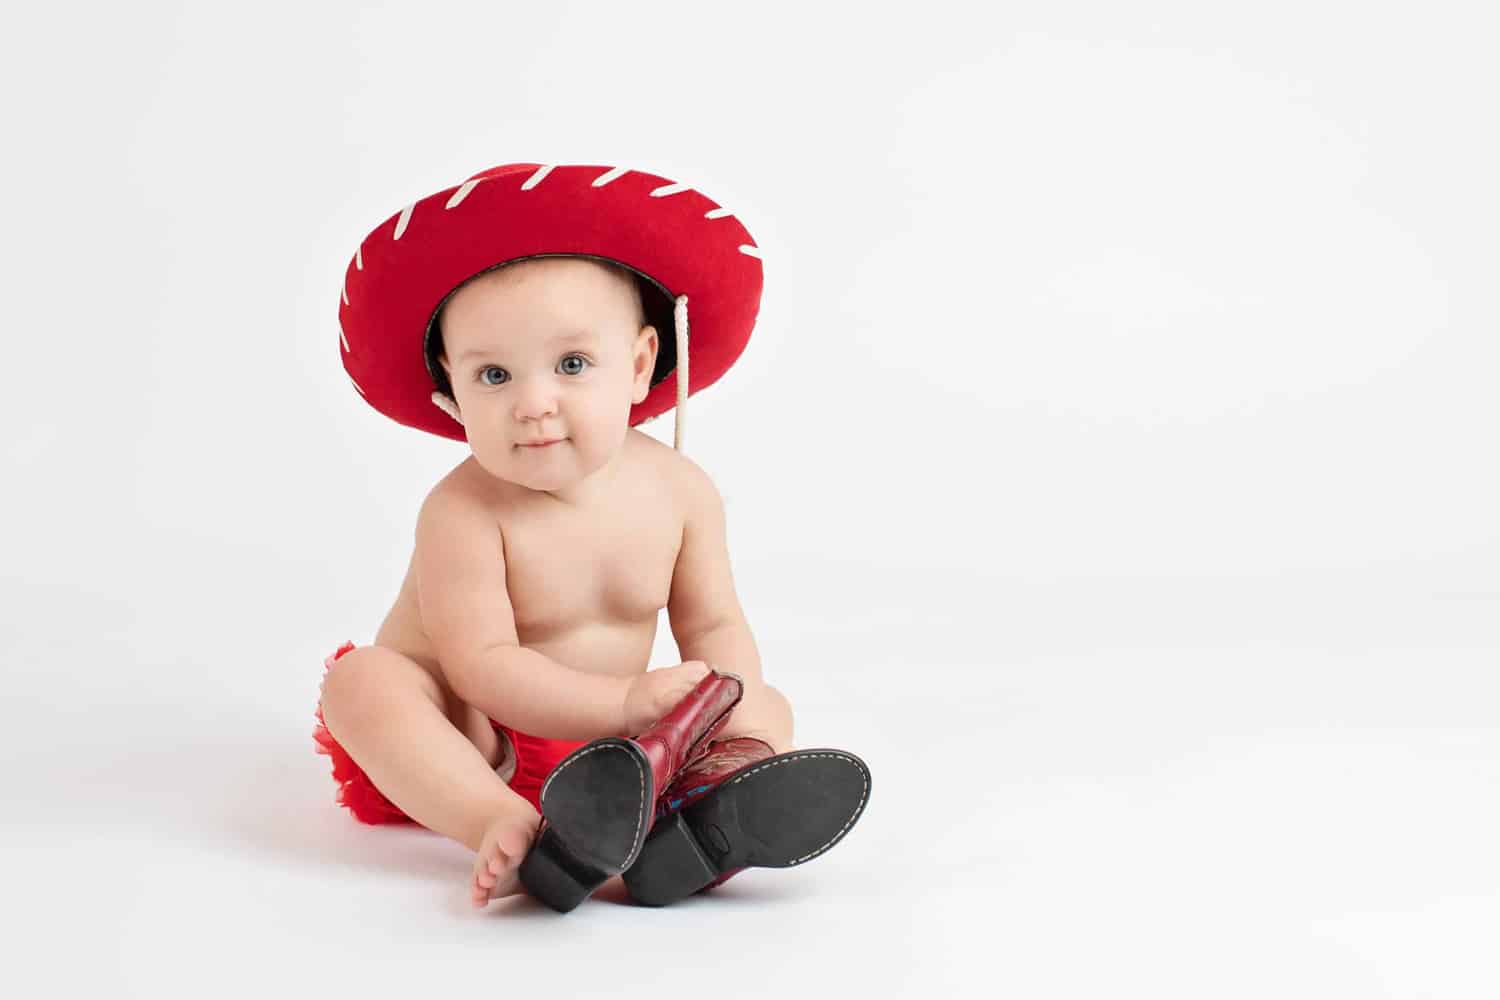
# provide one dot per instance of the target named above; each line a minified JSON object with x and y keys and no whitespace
{"x":598,"y":802}
{"x":593,"y":802}
{"x":783,"y":811}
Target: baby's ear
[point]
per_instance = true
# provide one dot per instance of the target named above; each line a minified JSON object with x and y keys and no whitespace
{"x":645,"y":361}
{"x":448,"y":406}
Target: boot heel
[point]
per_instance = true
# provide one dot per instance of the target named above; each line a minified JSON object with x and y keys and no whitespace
{"x":556,"y":878}
{"x":671,"y":866}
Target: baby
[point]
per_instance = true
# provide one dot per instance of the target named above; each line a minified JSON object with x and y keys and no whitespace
{"x":524,"y":624}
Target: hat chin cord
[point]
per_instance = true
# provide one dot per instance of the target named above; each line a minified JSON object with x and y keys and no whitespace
{"x":679,"y":419}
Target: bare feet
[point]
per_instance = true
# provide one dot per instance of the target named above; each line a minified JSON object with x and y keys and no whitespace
{"x":505,"y":844}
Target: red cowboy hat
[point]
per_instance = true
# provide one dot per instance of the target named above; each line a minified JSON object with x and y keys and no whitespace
{"x":679,"y":243}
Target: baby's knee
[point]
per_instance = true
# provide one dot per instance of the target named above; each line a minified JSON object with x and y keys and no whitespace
{"x":768,"y":704}
{"x":775,"y":697}
{"x":360,"y":684}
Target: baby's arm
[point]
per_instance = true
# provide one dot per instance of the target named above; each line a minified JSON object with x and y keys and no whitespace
{"x":467,"y":613}
{"x":708,"y":622}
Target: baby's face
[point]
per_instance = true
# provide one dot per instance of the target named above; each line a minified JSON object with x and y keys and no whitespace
{"x":547,"y":350}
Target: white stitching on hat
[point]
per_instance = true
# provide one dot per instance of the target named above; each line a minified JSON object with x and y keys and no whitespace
{"x":604,"y":179}
{"x":356,"y":384}
{"x":537,"y":177}
{"x":717,"y":213}
{"x":463,"y":192}
{"x":405,"y":218}
{"x":344,"y":337}
{"x":359,"y":257}
{"x":344,"y":293}
{"x":750,"y":251}
{"x":669,"y":189}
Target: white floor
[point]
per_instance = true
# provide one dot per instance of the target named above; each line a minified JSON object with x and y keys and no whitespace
{"x":1278,"y":788}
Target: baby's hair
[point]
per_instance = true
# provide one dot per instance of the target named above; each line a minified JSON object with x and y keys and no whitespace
{"x":648,"y":299}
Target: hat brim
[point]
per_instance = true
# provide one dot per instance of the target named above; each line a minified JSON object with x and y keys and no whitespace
{"x":676,"y":239}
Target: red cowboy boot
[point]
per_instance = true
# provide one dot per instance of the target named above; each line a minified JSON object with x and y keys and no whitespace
{"x":741,"y":806}
{"x":597,"y":804}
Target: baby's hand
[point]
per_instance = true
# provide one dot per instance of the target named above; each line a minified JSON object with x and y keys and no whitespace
{"x":656,"y":692}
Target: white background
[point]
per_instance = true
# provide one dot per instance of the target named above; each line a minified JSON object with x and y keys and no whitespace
{"x":1112,"y":467}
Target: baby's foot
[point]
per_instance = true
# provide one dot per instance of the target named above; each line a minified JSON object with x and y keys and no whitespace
{"x":501,"y":851}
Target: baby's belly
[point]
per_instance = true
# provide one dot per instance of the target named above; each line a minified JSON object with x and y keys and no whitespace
{"x":615,"y":648}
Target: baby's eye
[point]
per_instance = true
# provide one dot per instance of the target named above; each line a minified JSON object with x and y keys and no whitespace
{"x":483,"y":372}
{"x":575,"y":357}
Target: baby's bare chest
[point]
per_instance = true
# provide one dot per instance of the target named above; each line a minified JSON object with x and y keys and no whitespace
{"x":563,"y":571}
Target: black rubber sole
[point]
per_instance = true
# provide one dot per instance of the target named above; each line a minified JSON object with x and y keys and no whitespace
{"x":783,"y":811}
{"x":597,"y":806}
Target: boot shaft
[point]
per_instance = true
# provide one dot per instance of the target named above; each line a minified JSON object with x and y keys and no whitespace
{"x":718,"y":760}
{"x":683,"y":734}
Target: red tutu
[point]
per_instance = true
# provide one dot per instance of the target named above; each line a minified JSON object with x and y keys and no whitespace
{"x":535,"y":759}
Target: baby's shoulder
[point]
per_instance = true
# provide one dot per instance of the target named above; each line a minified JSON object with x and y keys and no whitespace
{"x":461,"y":483}
{"x":462,"y":501}
{"x":691,"y":489}
{"x":670,"y":468}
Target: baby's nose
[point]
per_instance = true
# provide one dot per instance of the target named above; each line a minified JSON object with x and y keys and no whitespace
{"x":535,"y":400}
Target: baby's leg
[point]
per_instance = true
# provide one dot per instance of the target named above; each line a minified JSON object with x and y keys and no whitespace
{"x":764,"y":713}
{"x":395,"y":719}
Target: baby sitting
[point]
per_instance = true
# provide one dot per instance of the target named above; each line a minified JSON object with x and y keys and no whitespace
{"x":529,"y":608}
